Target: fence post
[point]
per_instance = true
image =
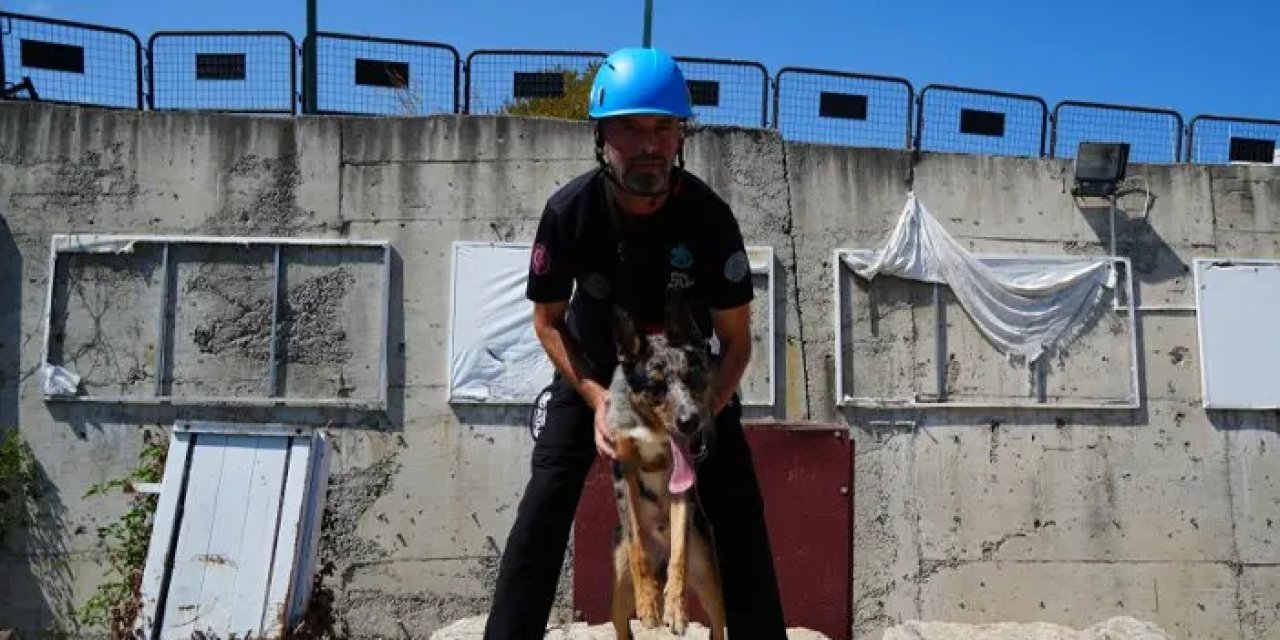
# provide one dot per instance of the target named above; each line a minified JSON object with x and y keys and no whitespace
{"x":309,"y":61}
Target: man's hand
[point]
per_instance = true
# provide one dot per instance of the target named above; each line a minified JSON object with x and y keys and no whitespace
{"x":604,"y":436}
{"x":597,"y":397}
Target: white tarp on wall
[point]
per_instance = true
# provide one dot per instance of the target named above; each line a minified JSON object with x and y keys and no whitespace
{"x":1026,"y":306}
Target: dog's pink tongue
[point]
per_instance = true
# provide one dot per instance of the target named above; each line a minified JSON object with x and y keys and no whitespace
{"x":681,"y":468}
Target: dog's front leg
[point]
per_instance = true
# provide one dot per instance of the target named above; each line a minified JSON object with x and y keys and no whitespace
{"x":674,"y":614}
{"x":642,"y":576}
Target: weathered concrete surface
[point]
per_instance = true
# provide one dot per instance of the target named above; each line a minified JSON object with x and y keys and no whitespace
{"x":1120,"y":628}
{"x":473,"y":629}
{"x":1165,"y":513}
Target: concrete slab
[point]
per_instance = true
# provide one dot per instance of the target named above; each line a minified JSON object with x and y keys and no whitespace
{"x":1255,"y":486}
{"x":1078,"y":594}
{"x":1118,"y":492}
{"x":1259,"y":601}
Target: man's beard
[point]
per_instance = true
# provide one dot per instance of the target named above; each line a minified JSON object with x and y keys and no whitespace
{"x":647,"y":175}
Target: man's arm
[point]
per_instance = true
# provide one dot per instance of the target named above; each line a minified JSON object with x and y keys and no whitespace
{"x":733,"y":329}
{"x":548,"y":324}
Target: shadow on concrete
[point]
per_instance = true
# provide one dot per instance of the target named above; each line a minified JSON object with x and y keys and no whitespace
{"x":506,"y":415}
{"x":1239,"y":420}
{"x":10,"y":325}
{"x":36,"y":592}
{"x":1152,"y":257}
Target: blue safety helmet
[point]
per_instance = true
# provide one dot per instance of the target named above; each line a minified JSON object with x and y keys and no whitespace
{"x":639,"y":81}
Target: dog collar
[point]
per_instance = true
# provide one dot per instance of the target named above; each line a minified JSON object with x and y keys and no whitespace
{"x":650,"y":327}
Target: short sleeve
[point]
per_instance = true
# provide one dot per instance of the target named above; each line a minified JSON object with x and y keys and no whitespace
{"x":550,"y":275}
{"x":727,"y":270}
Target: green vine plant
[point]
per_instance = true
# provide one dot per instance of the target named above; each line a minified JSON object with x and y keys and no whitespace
{"x":116,"y":601}
{"x":17,"y":482}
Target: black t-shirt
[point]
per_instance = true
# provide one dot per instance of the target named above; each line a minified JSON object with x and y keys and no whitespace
{"x":693,"y":243}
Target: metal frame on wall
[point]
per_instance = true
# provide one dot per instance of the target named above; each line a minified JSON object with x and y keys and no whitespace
{"x":845,"y":400}
{"x":105,"y":244}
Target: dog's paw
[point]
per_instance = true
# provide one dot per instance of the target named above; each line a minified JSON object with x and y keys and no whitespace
{"x":673,"y":613}
{"x":647,"y":603}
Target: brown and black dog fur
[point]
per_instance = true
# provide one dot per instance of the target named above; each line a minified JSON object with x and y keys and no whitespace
{"x":659,"y":397}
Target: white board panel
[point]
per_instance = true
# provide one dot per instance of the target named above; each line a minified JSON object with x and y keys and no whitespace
{"x":1238,"y":311}
{"x":496,"y":358}
{"x":245,"y":501}
{"x":494,"y":355}
{"x":289,"y":536}
{"x":175,"y":467}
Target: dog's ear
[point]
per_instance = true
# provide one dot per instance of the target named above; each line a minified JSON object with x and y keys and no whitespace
{"x":681,"y":328}
{"x":631,"y":345}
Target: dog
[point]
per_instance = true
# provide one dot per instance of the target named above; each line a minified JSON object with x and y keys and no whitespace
{"x":659,"y":400}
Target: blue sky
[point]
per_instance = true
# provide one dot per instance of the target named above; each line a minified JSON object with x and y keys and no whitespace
{"x":1194,"y":57}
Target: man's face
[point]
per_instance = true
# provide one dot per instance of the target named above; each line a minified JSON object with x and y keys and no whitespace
{"x":642,"y":150}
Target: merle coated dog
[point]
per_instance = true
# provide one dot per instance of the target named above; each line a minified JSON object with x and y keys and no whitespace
{"x":659,"y":400}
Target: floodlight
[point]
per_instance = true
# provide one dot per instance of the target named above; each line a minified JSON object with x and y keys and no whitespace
{"x":1099,"y":167}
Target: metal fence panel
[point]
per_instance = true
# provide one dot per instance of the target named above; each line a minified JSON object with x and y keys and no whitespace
{"x":1154,"y":135}
{"x":727,"y":92}
{"x":497,"y":79}
{"x":1221,"y":139}
{"x":241,"y":71}
{"x":385,"y":76}
{"x":835,"y":107}
{"x":964,"y":120}
{"x":71,"y":62}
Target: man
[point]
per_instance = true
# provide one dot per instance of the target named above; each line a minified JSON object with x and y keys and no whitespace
{"x":626,"y":233}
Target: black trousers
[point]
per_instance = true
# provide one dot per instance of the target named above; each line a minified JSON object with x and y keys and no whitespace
{"x":726,"y":486}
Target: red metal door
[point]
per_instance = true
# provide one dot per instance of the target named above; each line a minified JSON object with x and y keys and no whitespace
{"x":806,"y":476}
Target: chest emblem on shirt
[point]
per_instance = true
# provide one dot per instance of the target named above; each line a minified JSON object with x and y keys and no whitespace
{"x":681,"y":257}
{"x":680,"y":280}
{"x":597,"y":286}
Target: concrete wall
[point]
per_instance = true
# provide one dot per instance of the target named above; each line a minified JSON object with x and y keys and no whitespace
{"x":1165,"y":512}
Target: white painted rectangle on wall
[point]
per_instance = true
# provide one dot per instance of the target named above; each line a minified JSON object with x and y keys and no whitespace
{"x":1238,"y":313}
{"x":495,"y":357}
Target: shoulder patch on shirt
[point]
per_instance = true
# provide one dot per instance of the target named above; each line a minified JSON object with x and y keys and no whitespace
{"x":736,"y":267}
{"x":541,"y":259}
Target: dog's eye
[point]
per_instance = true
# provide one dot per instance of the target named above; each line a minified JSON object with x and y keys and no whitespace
{"x":637,"y":380}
